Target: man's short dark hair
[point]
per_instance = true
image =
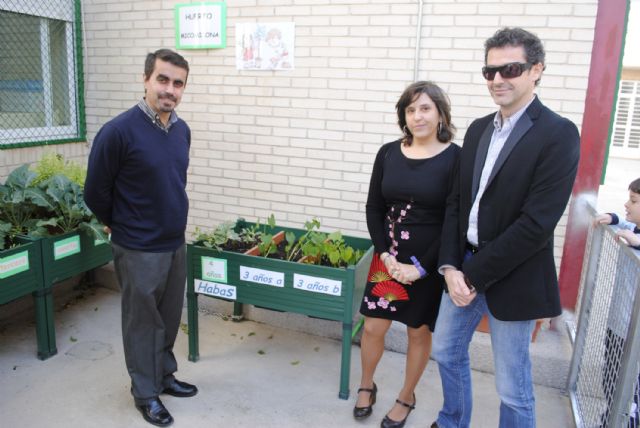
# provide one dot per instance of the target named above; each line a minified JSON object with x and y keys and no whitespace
{"x":166,"y":55}
{"x":533,"y":49}
{"x":635,"y":186}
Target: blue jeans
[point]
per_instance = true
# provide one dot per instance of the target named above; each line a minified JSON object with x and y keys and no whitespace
{"x":510,"y":342}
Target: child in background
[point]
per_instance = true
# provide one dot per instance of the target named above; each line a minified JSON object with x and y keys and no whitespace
{"x":629,"y":229}
{"x":629,"y":233}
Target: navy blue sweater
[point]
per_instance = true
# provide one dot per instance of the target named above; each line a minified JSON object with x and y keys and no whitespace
{"x":136,"y":181}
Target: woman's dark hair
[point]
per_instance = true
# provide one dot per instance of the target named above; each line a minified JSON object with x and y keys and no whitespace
{"x":446,"y":130}
{"x":532,"y":45}
{"x":166,"y":55}
{"x":635,"y":186}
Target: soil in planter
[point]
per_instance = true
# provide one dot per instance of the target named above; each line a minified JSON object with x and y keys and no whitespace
{"x":54,"y":230}
{"x":8,"y":243}
{"x":238,"y":246}
{"x":279,"y":253}
{"x":324,"y":261}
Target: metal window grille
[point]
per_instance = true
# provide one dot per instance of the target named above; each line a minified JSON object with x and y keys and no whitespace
{"x":38,"y":72}
{"x":605,"y":367}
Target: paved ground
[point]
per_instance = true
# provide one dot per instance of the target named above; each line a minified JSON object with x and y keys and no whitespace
{"x":250,"y":375}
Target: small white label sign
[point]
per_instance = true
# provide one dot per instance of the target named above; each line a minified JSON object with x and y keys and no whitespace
{"x":317,"y":285}
{"x":14,"y":264}
{"x":214,"y":269}
{"x":214,"y":289}
{"x":66,"y":247}
{"x":261,"y":276}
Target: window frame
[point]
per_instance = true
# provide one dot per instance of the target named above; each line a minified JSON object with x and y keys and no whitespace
{"x":76,"y":131}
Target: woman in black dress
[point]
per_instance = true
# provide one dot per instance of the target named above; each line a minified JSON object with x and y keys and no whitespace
{"x":410,"y":181}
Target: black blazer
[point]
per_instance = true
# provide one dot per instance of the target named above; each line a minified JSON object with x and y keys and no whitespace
{"x":525,"y":197}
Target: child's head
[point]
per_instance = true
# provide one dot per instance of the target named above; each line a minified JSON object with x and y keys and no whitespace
{"x":632,"y":206}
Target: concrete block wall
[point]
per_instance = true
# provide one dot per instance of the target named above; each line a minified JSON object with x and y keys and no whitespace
{"x":301,"y":143}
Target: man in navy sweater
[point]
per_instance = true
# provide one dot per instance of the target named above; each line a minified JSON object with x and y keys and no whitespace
{"x":135,"y":185}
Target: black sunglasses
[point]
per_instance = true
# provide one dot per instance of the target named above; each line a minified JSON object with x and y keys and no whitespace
{"x":507,"y":71}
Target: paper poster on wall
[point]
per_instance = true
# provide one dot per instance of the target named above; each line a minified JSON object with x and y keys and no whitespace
{"x":201,"y":25}
{"x":265,"y":46}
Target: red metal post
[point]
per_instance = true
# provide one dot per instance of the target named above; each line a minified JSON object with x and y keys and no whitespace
{"x":606,"y":60}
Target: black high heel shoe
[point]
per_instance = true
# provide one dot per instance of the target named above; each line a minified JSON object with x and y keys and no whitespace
{"x":363,"y":412}
{"x":387,"y":422}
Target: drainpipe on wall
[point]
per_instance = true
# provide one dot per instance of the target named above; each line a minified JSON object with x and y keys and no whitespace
{"x":418,"y":37}
{"x":85,"y":58}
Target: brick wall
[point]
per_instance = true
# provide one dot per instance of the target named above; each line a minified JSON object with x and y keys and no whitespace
{"x":301,"y":143}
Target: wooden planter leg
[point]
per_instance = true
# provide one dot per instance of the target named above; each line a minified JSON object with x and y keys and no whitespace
{"x":45,"y":329}
{"x":192,"y":320}
{"x":237,"y":312}
{"x":345,"y":367}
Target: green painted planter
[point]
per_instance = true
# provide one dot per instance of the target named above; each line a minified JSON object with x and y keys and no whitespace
{"x":63,"y":257}
{"x":20,"y":275}
{"x":318,"y":291}
{"x":68,"y":255}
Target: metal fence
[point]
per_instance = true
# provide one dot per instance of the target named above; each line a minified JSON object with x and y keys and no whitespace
{"x":603,"y":377}
{"x":38,"y":71}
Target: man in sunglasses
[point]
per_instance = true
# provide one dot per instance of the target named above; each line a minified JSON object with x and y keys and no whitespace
{"x":517,"y":168}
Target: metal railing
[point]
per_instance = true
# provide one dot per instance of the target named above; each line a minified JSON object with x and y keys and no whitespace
{"x":603,"y":376}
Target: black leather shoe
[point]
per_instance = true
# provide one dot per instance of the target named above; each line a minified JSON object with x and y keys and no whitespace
{"x":155,"y":413}
{"x":363,"y":412}
{"x":180,"y":389}
{"x":387,"y":422}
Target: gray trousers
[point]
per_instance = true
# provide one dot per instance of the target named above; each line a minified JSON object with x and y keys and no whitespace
{"x":153,"y":287}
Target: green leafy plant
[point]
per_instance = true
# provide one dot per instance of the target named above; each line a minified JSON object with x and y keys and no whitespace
{"x":5,"y":228}
{"x":254,"y":233}
{"x":218,"y":237}
{"x":339,"y":253}
{"x":67,"y":210}
{"x":330,"y":248}
{"x":22,"y":205}
{"x":294,"y":246}
{"x":224,"y":236}
{"x":250,"y":235}
{"x":266,"y":244}
{"x":313,"y":247}
{"x":52,"y":164}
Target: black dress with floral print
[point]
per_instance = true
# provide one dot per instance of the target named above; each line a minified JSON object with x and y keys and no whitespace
{"x":405,"y":212}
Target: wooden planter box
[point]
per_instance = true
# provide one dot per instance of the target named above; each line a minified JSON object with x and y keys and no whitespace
{"x":20,"y":275}
{"x":318,"y":291}
{"x":63,"y":257}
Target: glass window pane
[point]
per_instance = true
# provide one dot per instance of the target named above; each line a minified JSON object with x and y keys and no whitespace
{"x":21,"y":86}
{"x":59,"y":72}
